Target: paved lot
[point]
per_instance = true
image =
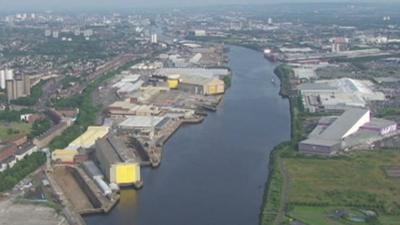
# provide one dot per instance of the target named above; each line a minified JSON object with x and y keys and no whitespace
{"x":26,"y":214}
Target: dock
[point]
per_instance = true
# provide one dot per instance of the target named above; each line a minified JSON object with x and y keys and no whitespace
{"x":85,"y":198}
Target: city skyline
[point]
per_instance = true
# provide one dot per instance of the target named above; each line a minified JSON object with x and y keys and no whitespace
{"x":127,"y":4}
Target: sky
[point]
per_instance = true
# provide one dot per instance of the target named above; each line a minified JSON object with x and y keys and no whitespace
{"x":104,"y":4}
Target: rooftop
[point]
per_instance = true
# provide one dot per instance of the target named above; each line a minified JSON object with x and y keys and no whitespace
{"x":205,"y":72}
{"x":141,"y":121}
{"x":339,"y":128}
{"x":87,"y":139}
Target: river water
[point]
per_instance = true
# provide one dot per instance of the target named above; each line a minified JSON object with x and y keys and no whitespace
{"x":214,"y":173}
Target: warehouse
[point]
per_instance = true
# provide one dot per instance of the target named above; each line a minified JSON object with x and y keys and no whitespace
{"x":127,"y":108}
{"x":173,"y":81}
{"x":329,"y":139}
{"x":339,"y":94}
{"x":382,"y":126}
{"x":64,"y":155}
{"x":203,"y":72}
{"x":88,"y":139}
{"x":201,"y":85}
{"x":115,"y":170}
{"x":141,"y":123}
{"x":353,"y":127}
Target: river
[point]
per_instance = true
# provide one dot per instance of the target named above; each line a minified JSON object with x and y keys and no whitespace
{"x":214,"y":173}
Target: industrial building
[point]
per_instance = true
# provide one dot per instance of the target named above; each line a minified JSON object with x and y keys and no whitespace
{"x":339,"y":94}
{"x":202,"y":72}
{"x":201,"y":85}
{"x":128,"y":83}
{"x":141,"y":123}
{"x":173,"y":81}
{"x":354,"y":127}
{"x":88,"y":139}
{"x":115,"y":169}
{"x":64,"y":155}
{"x":127,"y":108}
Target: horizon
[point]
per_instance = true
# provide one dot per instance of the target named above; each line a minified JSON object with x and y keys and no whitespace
{"x":93,"y":5}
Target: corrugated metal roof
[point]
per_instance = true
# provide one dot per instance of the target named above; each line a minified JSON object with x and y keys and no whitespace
{"x":88,"y":138}
{"x":343,"y":124}
{"x":378,"y":123}
{"x":316,"y":87}
{"x":141,"y":121}
{"x":320,"y":142}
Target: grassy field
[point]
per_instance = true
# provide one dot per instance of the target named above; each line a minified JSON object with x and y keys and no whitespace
{"x":314,"y":215}
{"x":13,"y":129}
{"x":357,"y":180}
{"x":321,"y":215}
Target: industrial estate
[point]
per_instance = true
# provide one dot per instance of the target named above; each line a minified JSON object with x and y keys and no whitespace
{"x":89,"y":100}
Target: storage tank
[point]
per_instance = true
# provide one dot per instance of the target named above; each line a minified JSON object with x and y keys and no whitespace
{"x":103,"y":186}
{"x":173,"y":81}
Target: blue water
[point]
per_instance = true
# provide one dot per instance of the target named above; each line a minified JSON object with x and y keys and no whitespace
{"x":214,"y":173}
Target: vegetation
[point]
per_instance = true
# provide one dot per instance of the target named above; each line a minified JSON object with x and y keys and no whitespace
{"x":87,"y":111}
{"x":40,"y":126}
{"x":23,"y":168}
{"x":11,"y":130}
{"x":67,"y":80}
{"x":36,"y":93}
{"x":357,"y":181}
{"x":227,"y":81}
{"x":13,"y":115}
{"x":284,"y":72}
{"x":388,"y":111}
{"x":307,"y":187}
{"x":273,"y":211}
{"x":313,"y":182}
{"x":71,"y":102}
{"x":331,"y":216}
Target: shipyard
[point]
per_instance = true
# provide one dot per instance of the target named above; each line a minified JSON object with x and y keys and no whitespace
{"x":144,"y":103}
{"x":277,"y":112}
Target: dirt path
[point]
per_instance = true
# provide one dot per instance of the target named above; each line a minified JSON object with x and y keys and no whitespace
{"x":284,"y":192}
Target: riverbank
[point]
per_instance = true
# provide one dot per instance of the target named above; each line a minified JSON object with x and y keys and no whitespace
{"x":275,"y":198}
{"x":291,"y":192}
{"x":211,"y":162}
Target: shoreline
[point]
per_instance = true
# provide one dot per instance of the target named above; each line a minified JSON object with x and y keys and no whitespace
{"x":269,"y":210}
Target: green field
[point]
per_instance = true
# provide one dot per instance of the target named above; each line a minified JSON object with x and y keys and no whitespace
{"x":322,"y":215}
{"x":13,"y":129}
{"x":355,"y":181}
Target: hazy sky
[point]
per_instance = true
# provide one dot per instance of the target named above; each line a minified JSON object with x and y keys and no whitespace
{"x":62,"y":4}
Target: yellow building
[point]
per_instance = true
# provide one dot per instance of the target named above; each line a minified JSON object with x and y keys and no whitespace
{"x":125,"y":174}
{"x":215,"y":86}
{"x":173,"y":81}
{"x":88,"y":139}
{"x":64,"y":155}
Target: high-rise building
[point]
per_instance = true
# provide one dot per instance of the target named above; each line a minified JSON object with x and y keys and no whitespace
{"x":17,"y":88}
{"x":154,"y":39}
{"x":3,"y":79}
{"x":11,"y":94}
